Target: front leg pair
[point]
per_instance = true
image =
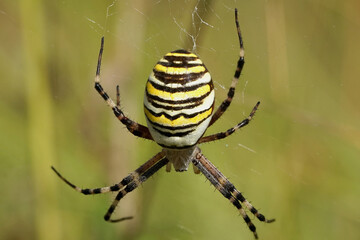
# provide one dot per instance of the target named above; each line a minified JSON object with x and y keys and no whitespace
{"x":226,"y":103}
{"x":135,"y":128}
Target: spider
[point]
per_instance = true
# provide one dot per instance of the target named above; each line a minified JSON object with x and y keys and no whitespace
{"x":178,"y":105}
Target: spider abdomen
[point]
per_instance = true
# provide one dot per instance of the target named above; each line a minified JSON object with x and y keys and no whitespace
{"x":179,"y":100}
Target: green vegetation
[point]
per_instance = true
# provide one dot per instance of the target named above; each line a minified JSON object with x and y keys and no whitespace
{"x":298,"y":161}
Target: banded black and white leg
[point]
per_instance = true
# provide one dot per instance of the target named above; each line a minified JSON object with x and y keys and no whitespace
{"x":203,"y":169}
{"x":230,"y":131}
{"x":228,"y":190}
{"x":126,"y":185}
{"x":133,"y":185}
{"x":240,"y":64}
{"x":135,"y":128}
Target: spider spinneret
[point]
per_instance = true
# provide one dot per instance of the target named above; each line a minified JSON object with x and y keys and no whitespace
{"x":178,"y":105}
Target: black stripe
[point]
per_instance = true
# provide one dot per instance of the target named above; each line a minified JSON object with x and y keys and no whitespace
{"x":177,"y":78}
{"x":111,"y":210}
{"x":130,"y":187}
{"x":183,"y":51}
{"x":177,"y":89}
{"x":236,"y":203}
{"x":240,"y":197}
{"x":180,"y":58}
{"x":96,"y":190}
{"x":154,"y":169}
{"x":240,"y":65}
{"x":262,"y":218}
{"x":188,"y":100}
{"x":100,"y":90}
{"x":127,"y":179}
{"x":174,"y":128}
{"x":231,"y":92}
{"x":178,"y":62}
{"x":115,"y":188}
{"x":247,"y":219}
{"x":252,"y":228}
{"x":173,"y":108}
{"x":229,"y":186}
{"x":253,"y":210}
{"x":120,"y":195}
{"x":187,"y":56}
{"x":169,"y":134}
{"x":86,"y":191}
{"x":177,"y":115}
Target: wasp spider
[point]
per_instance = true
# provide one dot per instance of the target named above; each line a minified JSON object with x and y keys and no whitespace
{"x":178,"y":104}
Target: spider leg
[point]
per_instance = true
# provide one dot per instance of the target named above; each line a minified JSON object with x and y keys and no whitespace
{"x":117,"y":96}
{"x":226,"y":103}
{"x":230,"y":131}
{"x":149,"y":171}
{"x":126,"y":185}
{"x":231,"y":188}
{"x":201,"y":163}
{"x":87,"y":191}
{"x":135,"y":128}
{"x":116,"y":187}
{"x":225,"y":186}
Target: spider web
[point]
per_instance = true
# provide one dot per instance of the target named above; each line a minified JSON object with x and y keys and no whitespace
{"x":197,"y":11}
{"x":189,"y":35}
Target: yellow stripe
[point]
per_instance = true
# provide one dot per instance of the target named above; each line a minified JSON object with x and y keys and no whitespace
{"x":179,"y":121}
{"x":178,"y":95}
{"x":179,"y":70}
{"x":181,"y":54}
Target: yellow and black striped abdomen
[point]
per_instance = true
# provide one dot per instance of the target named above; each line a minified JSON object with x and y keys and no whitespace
{"x":179,"y":100}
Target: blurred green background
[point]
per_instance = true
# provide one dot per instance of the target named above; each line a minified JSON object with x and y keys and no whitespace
{"x":298,"y":161}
